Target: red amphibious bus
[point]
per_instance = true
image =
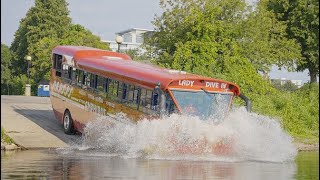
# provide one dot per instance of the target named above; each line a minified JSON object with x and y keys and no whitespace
{"x":88,"y":82}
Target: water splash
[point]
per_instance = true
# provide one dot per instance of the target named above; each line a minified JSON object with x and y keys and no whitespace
{"x":252,"y":137}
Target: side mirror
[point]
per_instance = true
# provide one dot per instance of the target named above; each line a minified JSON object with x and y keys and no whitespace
{"x":248,"y":102}
{"x":162,"y":100}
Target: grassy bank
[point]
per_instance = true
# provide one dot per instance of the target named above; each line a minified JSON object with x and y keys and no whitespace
{"x":297,"y":111}
{"x":4,"y":137}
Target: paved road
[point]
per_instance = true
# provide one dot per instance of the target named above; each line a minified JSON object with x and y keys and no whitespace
{"x":30,"y":122}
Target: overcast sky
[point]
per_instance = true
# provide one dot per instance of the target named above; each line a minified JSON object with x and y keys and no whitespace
{"x":104,"y":18}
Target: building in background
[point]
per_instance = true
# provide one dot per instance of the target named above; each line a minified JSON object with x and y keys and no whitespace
{"x":132,"y":39}
{"x":298,"y":83}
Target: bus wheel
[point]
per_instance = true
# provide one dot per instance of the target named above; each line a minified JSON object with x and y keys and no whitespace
{"x":68,"y":123}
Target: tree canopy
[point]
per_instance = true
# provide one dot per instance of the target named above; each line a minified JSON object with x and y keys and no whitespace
{"x":6,"y":58}
{"x":302,"y":19}
{"x":45,"y":26}
{"x":221,"y":39}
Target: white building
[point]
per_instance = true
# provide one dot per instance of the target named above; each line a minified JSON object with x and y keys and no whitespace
{"x":132,"y":39}
{"x":298,"y":83}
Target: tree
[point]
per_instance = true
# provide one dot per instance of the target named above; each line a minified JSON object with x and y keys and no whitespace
{"x":264,"y":40}
{"x":45,"y":26}
{"x":302,"y":19}
{"x":200,"y":35}
{"x":47,"y":19}
{"x":76,"y":35}
{"x":221,"y":39}
{"x":6,"y":58}
{"x":196,"y":36}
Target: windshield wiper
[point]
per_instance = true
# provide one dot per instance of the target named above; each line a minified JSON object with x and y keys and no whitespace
{"x":208,"y":94}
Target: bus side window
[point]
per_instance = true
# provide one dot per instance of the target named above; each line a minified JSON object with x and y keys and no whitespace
{"x":113,"y":89}
{"x":65,"y":71}
{"x":107,"y":85}
{"x":148,"y":99}
{"x":132,"y":95}
{"x":93,"y":81}
{"x":145,"y":102}
{"x":136,"y":95}
{"x":57,"y":64}
{"x":79,"y":77}
{"x":121,"y":90}
{"x":154,"y":101}
{"x":101,"y":86}
{"x":125,"y":91}
{"x":143,"y":98}
{"x":74,"y":76}
{"x":87,"y":79}
{"x":170,"y":106}
{"x":70,"y":73}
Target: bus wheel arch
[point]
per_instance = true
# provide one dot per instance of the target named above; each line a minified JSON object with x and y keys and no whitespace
{"x":68,"y":125}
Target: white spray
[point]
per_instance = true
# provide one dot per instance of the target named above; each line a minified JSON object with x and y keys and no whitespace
{"x":253,"y":137}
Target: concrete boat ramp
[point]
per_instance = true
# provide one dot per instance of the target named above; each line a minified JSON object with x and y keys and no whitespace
{"x":30,"y":122}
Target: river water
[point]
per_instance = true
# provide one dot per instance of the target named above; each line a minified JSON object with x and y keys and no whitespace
{"x":178,"y":147}
{"x":52,"y":164}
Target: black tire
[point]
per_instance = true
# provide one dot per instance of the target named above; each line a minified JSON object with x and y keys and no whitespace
{"x":68,"y":123}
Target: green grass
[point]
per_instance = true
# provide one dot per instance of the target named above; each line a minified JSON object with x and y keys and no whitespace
{"x":5,"y":137}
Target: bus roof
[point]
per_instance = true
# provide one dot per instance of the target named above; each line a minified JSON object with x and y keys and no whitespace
{"x":116,"y":65}
{"x":77,"y":52}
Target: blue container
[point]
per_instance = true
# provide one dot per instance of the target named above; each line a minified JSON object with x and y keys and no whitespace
{"x":43,"y":90}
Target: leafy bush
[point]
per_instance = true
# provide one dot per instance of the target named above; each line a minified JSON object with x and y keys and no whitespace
{"x":298,"y":111}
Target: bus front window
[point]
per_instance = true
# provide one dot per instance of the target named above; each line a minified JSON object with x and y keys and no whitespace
{"x":202,"y":103}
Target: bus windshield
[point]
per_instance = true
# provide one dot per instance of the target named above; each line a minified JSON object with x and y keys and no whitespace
{"x":202,"y":103}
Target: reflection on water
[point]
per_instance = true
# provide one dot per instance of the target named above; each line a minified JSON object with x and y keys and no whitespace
{"x":53,"y":164}
{"x":308,"y":165}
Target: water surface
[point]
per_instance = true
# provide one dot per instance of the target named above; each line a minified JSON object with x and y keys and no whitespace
{"x":92,"y":164}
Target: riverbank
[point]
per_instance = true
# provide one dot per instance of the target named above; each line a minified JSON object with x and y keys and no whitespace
{"x":29,"y":121}
{"x":307,"y":147}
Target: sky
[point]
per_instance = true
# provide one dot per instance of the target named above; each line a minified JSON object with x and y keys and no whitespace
{"x":104,"y":18}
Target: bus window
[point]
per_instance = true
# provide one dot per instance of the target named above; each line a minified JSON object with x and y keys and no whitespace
{"x":136,"y":95}
{"x":154,"y":101}
{"x":143,"y":98}
{"x":113,"y":89}
{"x":87,"y":76}
{"x":132,"y":95}
{"x":65,"y":72}
{"x":93,"y":81}
{"x":148,"y":99}
{"x":145,"y":102}
{"x":79,"y":77}
{"x":70,"y":71}
{"x":57,"y":64}
{"x":83,"y":78}
{"x":125,"y":91}
{"x":101,"y":86}
{"x":119,"y":93}
{"x":73,"y":75}
{"x":170,"y":106}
